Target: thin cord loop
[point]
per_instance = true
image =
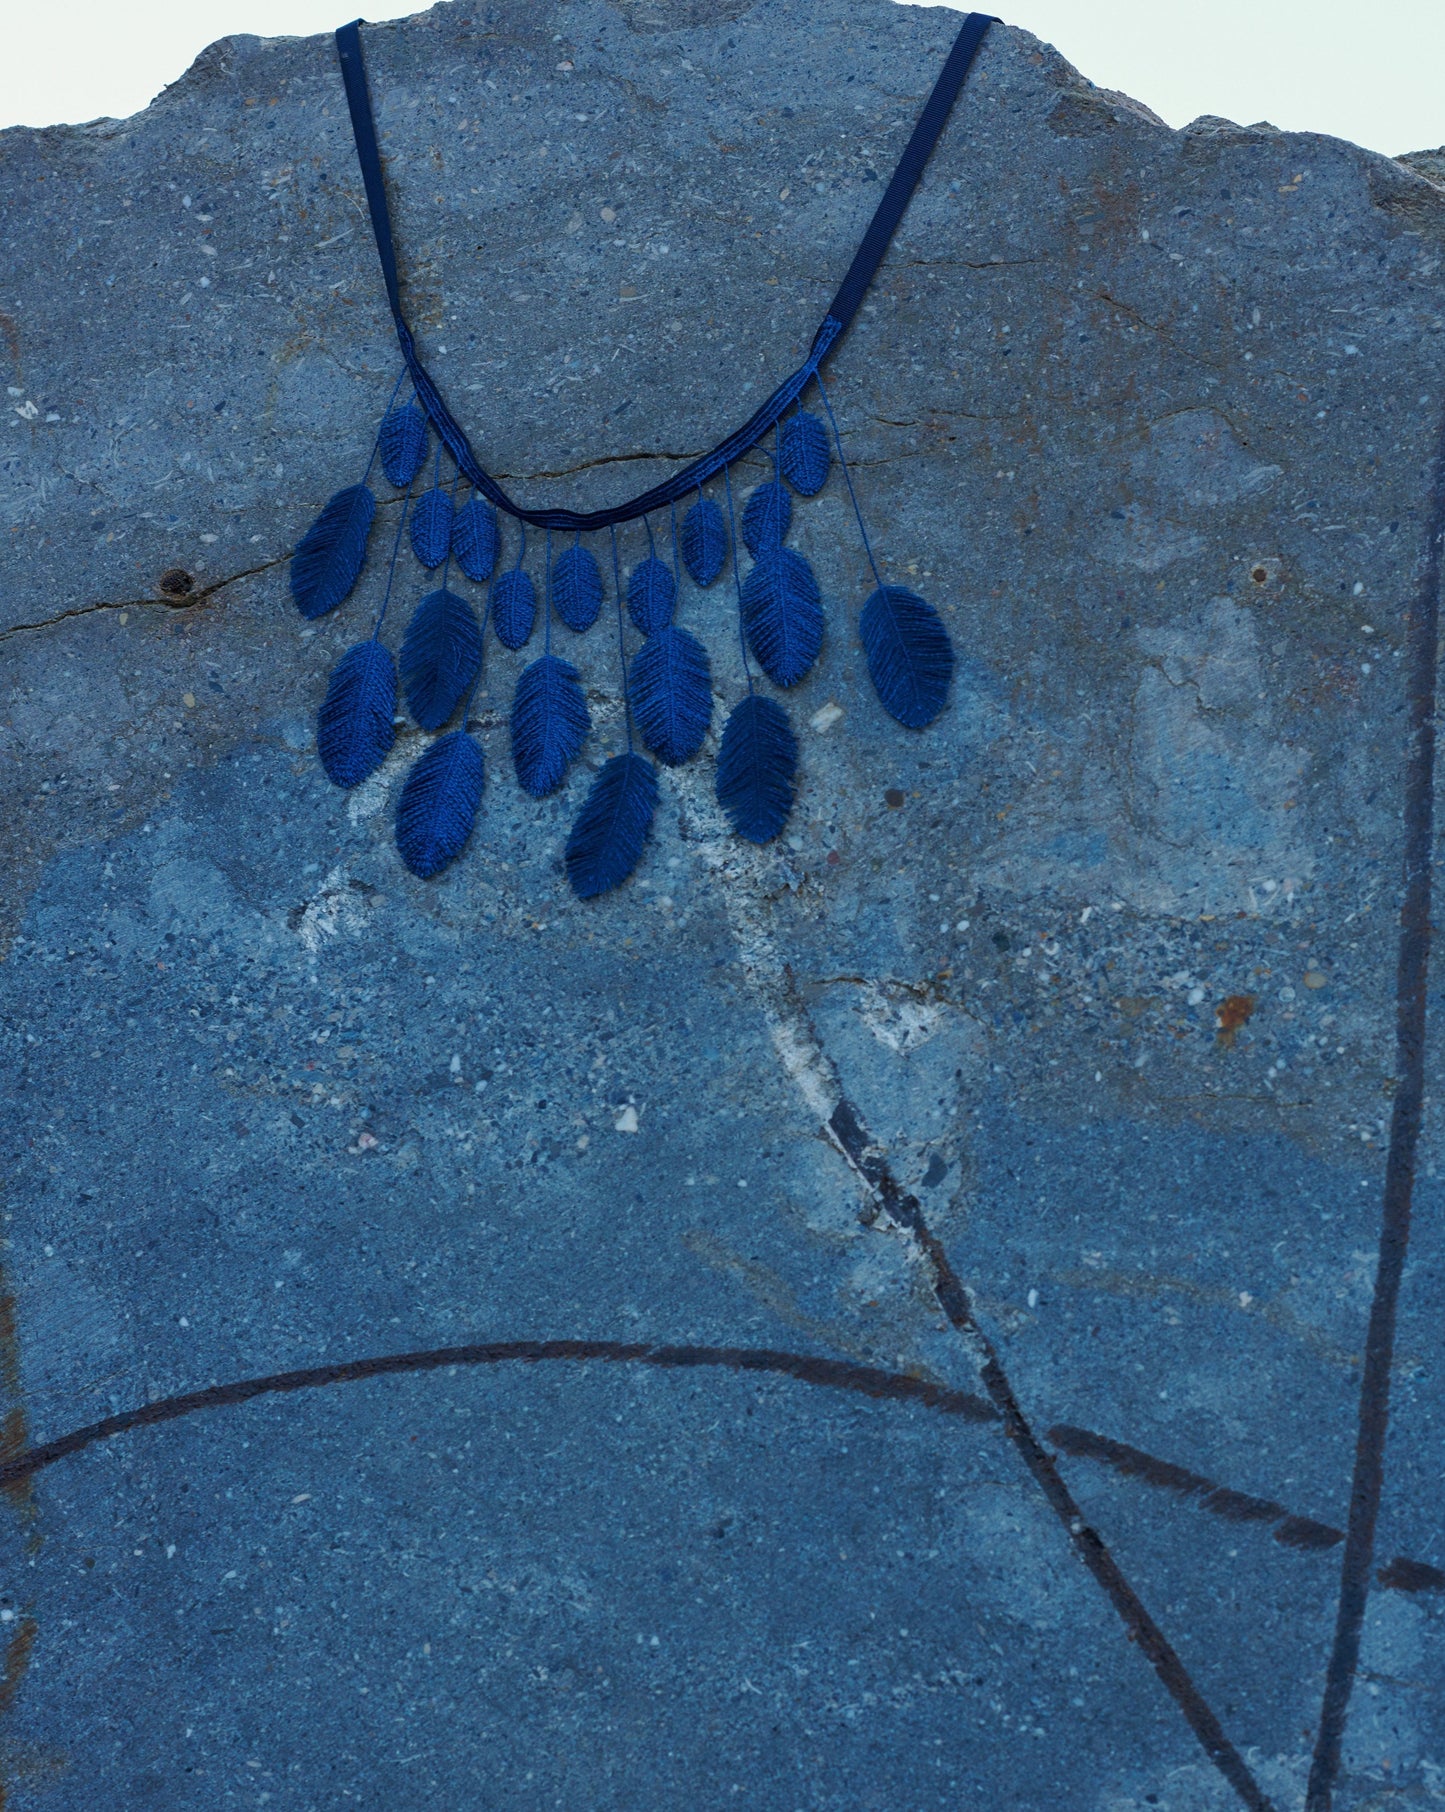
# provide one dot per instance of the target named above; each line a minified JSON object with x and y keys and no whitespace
{"x":854,"y":286}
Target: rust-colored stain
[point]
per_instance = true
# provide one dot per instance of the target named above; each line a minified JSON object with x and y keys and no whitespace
{"x":9,"y":1343}
{"x":14,"y":1439}
{"x":17,"y":1659}
{"x":1233,"y":1012}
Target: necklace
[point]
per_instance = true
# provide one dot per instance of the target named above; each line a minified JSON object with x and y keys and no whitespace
{"x":667,"y":684}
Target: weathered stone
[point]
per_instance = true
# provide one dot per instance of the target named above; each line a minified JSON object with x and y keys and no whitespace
{"x":1105,"y":958}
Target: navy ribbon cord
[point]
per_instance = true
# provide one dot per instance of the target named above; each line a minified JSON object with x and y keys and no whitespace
{"x":841,"y":311}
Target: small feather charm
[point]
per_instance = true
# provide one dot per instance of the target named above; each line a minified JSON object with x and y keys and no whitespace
{"x":438,"y":804}
{"x":783,"y":615}
{"x":440,"y":654}
{"x":704,"y":541}
{"x":576,"y":588}
{"x":550,"y":721}
{"x":910,"y":658}
{"x":330,"y":555}
{"x":805,"y":456}
{"x":767,"y":517}
{"x":651,"y":594}
{"x":401,"y":441}
{"x":354,"y":729}
{"x":514,"y":607}
{"x":671,"y":688}
{"x":431,"y":527}
{"x":757,"y":768}
{"x":475,"y":539}
{"x":607,"y":838}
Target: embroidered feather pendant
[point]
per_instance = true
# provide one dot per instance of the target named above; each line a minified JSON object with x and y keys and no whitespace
{"x":431,"y":527}
{"x":607,"y":839}
{"x":910,"y":658}
{"x":354,"y":728}
{"x":704,"y":541}
{"x":550,"y":721}
{"x":475,"y":539}
{"x":514,"y":607}
{"x":438,"y":804}
{"x":401,"y":441}
{"x":671,"y":687}
{"x":805,"y":455}
{"x":757,"y":767}
{"x":651,"y":594}
{"x":577,"y":588}
{"x":767,"y":517}
{"x":440,"y":654}
{"x":330,"y":555}
{"x":783,"y":615}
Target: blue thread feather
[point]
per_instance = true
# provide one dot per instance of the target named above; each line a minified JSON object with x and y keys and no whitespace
{"x":514,"y":607}
{"x":438,"y":804}
{"x":757,"y":768}
{"x":440,"y":654}
{"x":806,"y":454}
{"x":431,"y":527}
{"x":671,"y":690}
{"x":606,"y":841}
{"x":783,"y":615}
{"x":401,"y":441}
{"x":767,"y":517}
{"x":330,"y":555}
{"x":354,"y":728}
{"x":704,"y":541}
{"x":550,"y":721}
{"x":577,"y":588}
{"x":475,"y":539}
{"x":910,"y":658}
{"x":651,"y":594}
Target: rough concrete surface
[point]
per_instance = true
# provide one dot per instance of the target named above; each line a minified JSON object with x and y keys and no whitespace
{"x":1148,"y":414}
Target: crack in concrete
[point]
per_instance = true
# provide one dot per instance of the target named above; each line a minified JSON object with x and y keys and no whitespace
{"x":1163,"y":333}
{"x":189,"y":602}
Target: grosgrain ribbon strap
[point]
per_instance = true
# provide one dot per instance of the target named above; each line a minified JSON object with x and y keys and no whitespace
{"x":851,"y":291}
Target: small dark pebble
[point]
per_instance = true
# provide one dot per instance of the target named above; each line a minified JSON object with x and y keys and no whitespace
{"x":175,"y":582}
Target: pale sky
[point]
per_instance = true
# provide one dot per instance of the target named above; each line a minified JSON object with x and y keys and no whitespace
{"x":1374,"y":74}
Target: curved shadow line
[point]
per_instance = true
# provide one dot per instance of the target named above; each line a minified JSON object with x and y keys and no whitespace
{"x":865,"y":1380}
{"x":1301,"y":1533}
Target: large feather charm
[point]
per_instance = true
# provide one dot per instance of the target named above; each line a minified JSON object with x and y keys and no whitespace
{"x":910,"y":658}
{"x":440,"y":654}
{"x":783,"y":615}
{"x":330,"y":555}
{"x":671,"y":688}
{"x":651,"y":594}
{"x":438,"y":804}
{"x":577,"y":588}
{"x":354,"y":728}
{"x":401,"y":441}
{"x":514,"y":606}
{"x":431,"y":527}
{"x":805,"y":455}
{"x":757,"y":767}
{"x":767,"y":517}
{"x":475,"y":539}
{"x":607,"y":838}
{"x":704,"y":541}
{"x":550,"y":721}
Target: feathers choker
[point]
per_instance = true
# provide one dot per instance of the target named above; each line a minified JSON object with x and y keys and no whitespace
{"x":667,"y":685}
